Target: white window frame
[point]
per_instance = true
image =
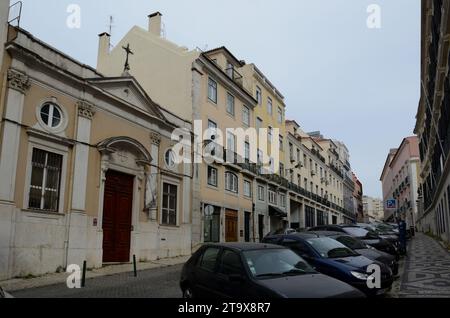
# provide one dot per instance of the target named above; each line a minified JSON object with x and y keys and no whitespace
{"x":282,"y":200}
{"x":64,"y":116}
{"x":248,"y":193}
{"x":280,"y":115}
{"x":177,"y":185}
{"x":231,"y":141}
{"x":272,"y":197}
{"x":246,"y":115}
{"x":261,"y":193}
{"x":171,"y":164}
{"x":233,"y":99}
{"x":216,"y":176}
{"x":259,"y":95}
{"x":247,"y":151}
{"x":231,"y":185}
{"x":269,"y":106}
{"x":48,"y":146}
{"x":210,"y":79}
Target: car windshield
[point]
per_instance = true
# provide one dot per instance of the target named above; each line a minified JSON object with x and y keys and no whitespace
{"x":351,"y":242}
{"x":360,"y":232}
{"x":329,"y":248}
{"x":276,"y":262}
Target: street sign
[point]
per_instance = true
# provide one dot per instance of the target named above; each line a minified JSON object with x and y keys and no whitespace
{"x":209,"y":210}
{"x":391,"y":204}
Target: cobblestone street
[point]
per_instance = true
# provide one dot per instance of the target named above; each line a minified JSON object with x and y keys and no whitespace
{"x":427,"y":269}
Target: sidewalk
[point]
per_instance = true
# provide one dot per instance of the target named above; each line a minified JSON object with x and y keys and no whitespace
{"x":58,"y":278}
{"x":427,"y":269}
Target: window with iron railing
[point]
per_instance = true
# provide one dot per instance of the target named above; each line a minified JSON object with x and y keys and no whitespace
{"x":45,"y":181}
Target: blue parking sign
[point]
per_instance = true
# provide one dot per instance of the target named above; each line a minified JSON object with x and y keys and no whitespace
{"x":391,"y":204}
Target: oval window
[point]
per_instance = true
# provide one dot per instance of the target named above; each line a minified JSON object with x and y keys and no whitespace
{"x":51,"y":115}
{"x":170,"y":158}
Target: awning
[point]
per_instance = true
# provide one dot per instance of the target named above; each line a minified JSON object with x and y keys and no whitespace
{"x":276,"y":212}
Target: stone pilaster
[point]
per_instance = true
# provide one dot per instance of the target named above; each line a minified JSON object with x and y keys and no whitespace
{"x":18,"y":84}
{"x":78,"y":220}
{"x":152,"y":178}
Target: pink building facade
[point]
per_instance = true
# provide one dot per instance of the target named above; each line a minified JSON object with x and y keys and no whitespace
{"x":400,"y":181}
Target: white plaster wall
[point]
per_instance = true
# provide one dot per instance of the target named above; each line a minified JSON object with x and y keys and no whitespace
{"x":38,"y":244}
{"x":155,"y":243}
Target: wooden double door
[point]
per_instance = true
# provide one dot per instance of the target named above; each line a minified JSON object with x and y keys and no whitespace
{"x":117,"y":217}
{"x":231,"y":225}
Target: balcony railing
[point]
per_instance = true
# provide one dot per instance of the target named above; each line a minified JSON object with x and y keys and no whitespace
{"x":318,"y":155}
{"x":339,"y":173}
{"x":234,"y":75}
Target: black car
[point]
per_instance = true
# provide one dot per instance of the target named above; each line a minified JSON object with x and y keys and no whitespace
{"x":250,"y":270}
{"x":362,"y":248}
{"x":334,"y":259}
{"x":4,"y":294}
{"x":367,"y":236}
{"x":382,"y":231}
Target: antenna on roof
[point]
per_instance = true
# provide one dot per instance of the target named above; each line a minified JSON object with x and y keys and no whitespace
{"x":111,"y":25}
{"x":163,"y":30}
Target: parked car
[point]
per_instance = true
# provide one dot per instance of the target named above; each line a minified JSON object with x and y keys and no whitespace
{"x":362,"y":248}
{"x":367,"y":236}
{"x":281,"y":231}
{"x":4,"y":294}
{"x":246,"y":270}
{"x":334,"y":259}
{"x":382,"y":231}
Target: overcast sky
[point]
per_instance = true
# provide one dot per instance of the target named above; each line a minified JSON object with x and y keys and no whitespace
{"x":352,"y":83}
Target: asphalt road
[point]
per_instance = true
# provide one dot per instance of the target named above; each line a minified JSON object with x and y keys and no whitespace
{"x":154,"y":283}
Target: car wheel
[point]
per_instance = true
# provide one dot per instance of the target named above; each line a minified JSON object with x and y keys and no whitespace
{"x":188,"y":293}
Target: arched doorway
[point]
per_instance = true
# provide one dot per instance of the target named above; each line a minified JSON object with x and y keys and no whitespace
{"x":124,"y":162}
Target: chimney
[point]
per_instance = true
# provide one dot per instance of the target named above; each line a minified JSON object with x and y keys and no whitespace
{"x":154,"y":23}
{"x":103,"y":49}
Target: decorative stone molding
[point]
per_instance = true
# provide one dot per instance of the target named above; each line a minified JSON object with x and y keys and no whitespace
{"x":85,"y":109}
{"x":18,"y":81}
{"x":155,"y":138}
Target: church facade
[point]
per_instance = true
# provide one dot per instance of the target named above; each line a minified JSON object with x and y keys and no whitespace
{"x":86,"y":164}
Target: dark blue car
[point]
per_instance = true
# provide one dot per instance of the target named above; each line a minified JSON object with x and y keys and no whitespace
{"x":334,"y":259}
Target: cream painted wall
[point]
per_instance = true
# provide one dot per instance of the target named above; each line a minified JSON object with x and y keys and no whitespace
{"x":218,"y":114}
{"x":251,"y":81}
{"x":305,"y":171}
{"x":161,"y":67}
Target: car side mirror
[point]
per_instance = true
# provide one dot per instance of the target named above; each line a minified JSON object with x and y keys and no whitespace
{"x":236,"y":278}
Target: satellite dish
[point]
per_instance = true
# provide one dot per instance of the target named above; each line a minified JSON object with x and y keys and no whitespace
{"x":209,"y":210}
